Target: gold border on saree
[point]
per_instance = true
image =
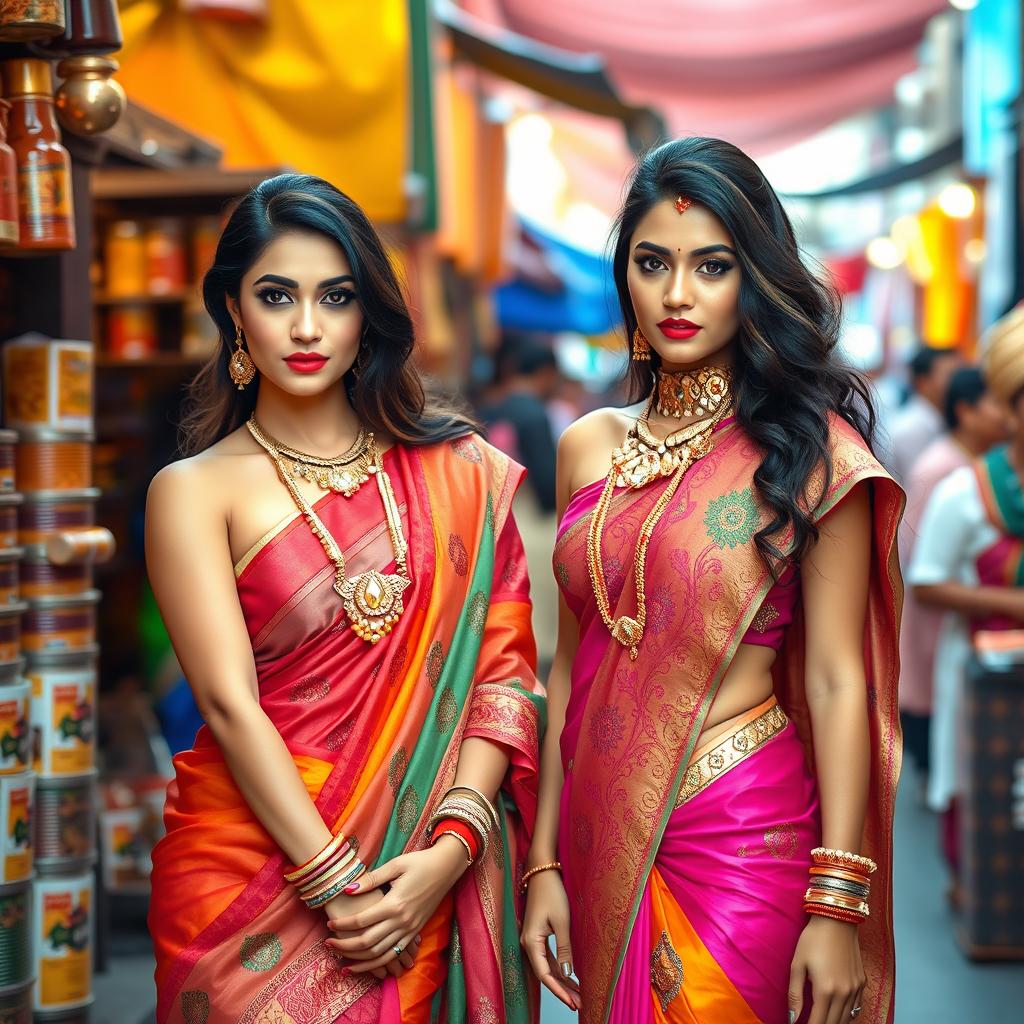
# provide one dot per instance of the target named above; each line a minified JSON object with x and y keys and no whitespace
{"x":731,"y":749}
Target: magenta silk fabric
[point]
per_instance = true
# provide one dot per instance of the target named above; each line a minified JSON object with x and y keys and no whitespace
{"x":735,"y":859}
{"x":759,"y":74}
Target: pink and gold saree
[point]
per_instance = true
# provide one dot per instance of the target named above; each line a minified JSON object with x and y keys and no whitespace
{"x":374,"y":732}
{"x":686,"y":868}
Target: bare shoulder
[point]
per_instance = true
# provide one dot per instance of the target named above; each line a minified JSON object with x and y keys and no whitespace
{"x":603,"y":426}
{"x":585,"y":448}
{"x":207,"y":480}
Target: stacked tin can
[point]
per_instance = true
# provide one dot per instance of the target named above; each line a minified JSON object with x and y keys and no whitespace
{"x":48,"y":402}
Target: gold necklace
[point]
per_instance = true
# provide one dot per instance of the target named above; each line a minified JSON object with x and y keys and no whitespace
{"x":372,"y":600}
{"x":636,"y":465}
{"x":344,"y":473}
{"x":694,"y":393}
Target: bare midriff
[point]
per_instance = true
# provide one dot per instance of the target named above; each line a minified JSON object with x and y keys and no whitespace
{"x":747,"y":684}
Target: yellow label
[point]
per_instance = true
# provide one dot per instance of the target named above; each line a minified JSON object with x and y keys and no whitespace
{"x":65,"y":939}
{"x":44,"y":196}
{"x":14,"y":737}
{"x":29,"y":402}
{"x":74,"y":389}
{"x":63,"y":718}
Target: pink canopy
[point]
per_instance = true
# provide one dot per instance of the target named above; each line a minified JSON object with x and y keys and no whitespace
{"x":761,"y":73}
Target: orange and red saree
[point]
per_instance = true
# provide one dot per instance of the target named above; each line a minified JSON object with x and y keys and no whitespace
{"x":375,"y":733}
{"x":686,"y":869}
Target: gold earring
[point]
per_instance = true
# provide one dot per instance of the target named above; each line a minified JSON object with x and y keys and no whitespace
{"x":641,"y":347}
{"x":241,"y":367}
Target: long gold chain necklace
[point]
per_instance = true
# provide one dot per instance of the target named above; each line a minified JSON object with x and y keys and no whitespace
{"x":641,"y":460}
{"x":343,"y":473}
{"x":372,"y":600}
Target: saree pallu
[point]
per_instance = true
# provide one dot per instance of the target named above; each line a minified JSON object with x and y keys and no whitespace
{"x":374,"y":731}
{"x":631,"y":729}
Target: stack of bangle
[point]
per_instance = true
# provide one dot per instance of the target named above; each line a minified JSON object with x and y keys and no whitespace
{"x":328,"y":872}
{"x":840,"y":885}
{"x":466,"y":814}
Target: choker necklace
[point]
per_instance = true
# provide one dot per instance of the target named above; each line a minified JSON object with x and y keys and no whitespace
{"x":343,"y":473}
{"x":372,"y":600}
{"x":695,"y":393}
{"x":641,"y":460}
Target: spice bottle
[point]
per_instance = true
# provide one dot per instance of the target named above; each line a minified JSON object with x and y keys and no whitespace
{"x":8,"y":183}
{"x":46,"y":219}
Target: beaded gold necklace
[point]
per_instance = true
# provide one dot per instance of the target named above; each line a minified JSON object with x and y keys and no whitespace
{"x":641,"y":460}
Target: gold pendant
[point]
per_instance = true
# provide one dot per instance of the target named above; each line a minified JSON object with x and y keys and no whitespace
{"x":629,"y":633}
{"x":373,"y":602}
{"x":344,"y":479}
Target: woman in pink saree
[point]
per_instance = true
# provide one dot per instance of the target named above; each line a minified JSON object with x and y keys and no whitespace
{"x":713,"y":839}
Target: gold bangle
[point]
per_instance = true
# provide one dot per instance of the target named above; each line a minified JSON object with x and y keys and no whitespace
{"x":314,"y":862}
{"x":828,"y":900}
{"x":553,"y":866}
{"x":824,"y":856}
{"x":335,"y":869}
{"x":483,"y":799}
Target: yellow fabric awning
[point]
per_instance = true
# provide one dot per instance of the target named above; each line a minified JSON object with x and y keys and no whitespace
{"x":322,"y":88}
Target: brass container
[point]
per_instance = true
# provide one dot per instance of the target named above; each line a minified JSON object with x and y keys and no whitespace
{"x":89,"y":100}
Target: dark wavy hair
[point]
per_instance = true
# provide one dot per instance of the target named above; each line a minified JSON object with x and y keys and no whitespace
{"x":390,"y":395}
{"x":787,"y":375}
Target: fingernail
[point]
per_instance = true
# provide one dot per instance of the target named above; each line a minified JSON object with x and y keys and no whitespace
{"x":792,"y":1017}
{"x":354,"y":887}
{"x":567,"y":970}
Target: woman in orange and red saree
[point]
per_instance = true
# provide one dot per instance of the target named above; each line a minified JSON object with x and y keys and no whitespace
{"x":357,"y":634}
{"x":720,"y":767}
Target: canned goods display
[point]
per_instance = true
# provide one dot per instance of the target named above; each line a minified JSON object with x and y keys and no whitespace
{"x":16,"y":1005}
{"x":44,"y":579}
{"x":45,"y":513}
{"x":60,"y":623}
{"x":63,"y":713}
{"x":15,"y":726}
{"x":16,"y":810}
{"x":9,"y":575}
{"x":54,"y":460}
{"x":9,"y":519}
{"x":8,"y":439}
{"x":15,"y":934}
{"x":65,"y":824}
{"x":10,"y":630}
{"x":126,"y":850}
{"x":54,"y":383}
{"x":62,"y":930}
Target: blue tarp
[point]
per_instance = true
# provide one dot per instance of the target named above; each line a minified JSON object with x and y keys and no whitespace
{"x":587,"y":302}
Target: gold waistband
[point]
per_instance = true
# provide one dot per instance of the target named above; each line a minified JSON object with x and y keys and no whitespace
{"x":750,"y":732}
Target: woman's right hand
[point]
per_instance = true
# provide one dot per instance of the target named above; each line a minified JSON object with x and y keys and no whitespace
{"x":343,"y":906}
{"x":547,"y":914}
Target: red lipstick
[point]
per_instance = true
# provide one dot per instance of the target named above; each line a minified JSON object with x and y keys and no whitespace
{"x":678,"y":329}
{"x":306,"y":362}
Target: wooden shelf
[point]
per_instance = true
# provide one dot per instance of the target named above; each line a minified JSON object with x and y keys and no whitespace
{"x":158,"y":360}
{"x":174,"y":298}
{"x":123,"y":183}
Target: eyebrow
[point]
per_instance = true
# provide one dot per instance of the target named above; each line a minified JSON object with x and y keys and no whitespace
{"x":287,"y":282}
{"x":704,"y":250}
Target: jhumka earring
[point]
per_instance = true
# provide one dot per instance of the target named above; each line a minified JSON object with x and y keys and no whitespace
{"x":641,"y":347}
{"x":683,"y":203}
{"x":241,"y":367}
